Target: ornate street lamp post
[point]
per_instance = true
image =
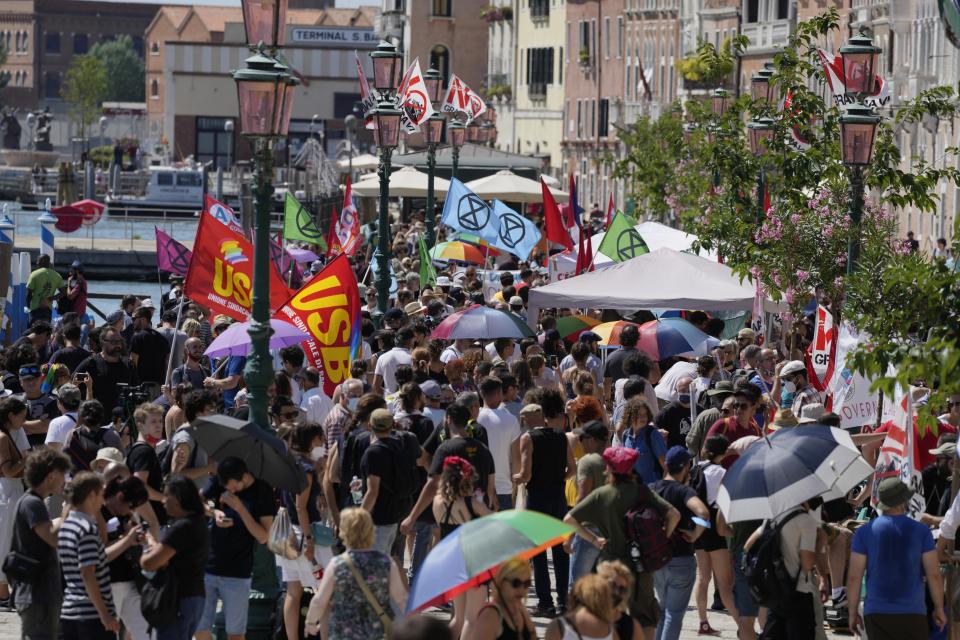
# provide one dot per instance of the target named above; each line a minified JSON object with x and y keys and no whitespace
{"x":433,"y":132}
{"x":265,"y":93}
{"x":458,"y":135}
{"x":759,"y":134}
{"x":386,"y":68}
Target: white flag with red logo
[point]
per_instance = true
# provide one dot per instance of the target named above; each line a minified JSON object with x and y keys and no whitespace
{"x":223,"y":213}
{"x":822,"y":350}
{"x":367,"y":99}
{"x":413,"y":100}
{"x":347,"y":227}
{"x":460,"y":97}
{"x":794,"y":137}
{"x":833,"y":69}
{"x":899,"y":455}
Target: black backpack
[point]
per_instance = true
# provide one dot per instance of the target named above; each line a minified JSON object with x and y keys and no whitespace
{"x":763,"y":566}
{"x":158,"y":598}
{"x":83,"y":446}
{"x":647,"y":543}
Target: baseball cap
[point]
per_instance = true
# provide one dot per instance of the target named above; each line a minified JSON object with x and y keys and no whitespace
{"x":589,"y":336}
{"x":381,"y":420}
{"x":29,"y":371}
{"x":792,"y":367}
{"x":516,"y":301}
{"x":431,"y":389}
{"x":69,"y":395}
{"x":531,"y":408}
{"x":677,"y":456}
{"x":115,"y":316}
{"x":393,"y":314}
{"x":595,"y":429}
{"x":620,"y":459}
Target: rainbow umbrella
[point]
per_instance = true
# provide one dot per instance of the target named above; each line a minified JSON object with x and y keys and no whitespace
{"x":669,"y":337}
{"x":459,"y":251}
{"x":570,"y":327}
{"x":471,"y":555}
{"x":609,"y":332}
{"x":476,"y":240}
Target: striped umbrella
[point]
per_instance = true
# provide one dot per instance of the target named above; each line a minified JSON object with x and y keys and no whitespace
{"x":609,"y":332}
{"x":668,"y":337}
{"x":459,"y":251}
{"x":570,"y":327}
{"x":480,"y":322}
{"x":470,"y":556}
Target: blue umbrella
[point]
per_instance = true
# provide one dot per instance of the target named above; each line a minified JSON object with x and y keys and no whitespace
{"x":667,"y":337}
{"x":783,"y":470}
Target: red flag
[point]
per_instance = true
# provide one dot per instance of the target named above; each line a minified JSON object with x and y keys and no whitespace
{"x":348,"y":225}
{"x":589,"y":251}
{"x":221,"y":272}
{"x":333,"y":242}
{"x":610,"y":212}
{"x":328,"y":308}
{"x":582,"y":258}
{"x":223,"y":213}
{"x":556,"y":231}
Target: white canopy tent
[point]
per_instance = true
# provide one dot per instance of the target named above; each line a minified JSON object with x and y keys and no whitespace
{"x":509,"y":187}
{"x":656,"y":235}
{"x":362,"y":162}
{"x":661,"y":279}
{"x":406,"y":182}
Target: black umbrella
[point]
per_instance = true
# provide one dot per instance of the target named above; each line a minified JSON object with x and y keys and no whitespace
{"x":266,"y":455}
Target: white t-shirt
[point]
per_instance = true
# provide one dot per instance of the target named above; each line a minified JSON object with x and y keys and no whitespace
{"x":502,"y":430}
{"x":713,"y":474}
{"x":492,"y":353}
{"x":60,"y":428}
{"x":387,"y":366}
{"x":450,"y":353}
{"x":648,"y":393}
{"x":316,"y":404}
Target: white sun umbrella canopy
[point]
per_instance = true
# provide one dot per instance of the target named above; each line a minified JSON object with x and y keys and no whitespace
{"x":406,"y":182}
{"x":507,"y":186}
{"x":363,"y":162}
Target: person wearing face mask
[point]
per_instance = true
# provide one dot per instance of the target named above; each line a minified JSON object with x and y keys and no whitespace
{"x":142,"y":458}
{"x":674,"y":419}
{"x":793,"y":378}
{"x":336,"y":423}
{"x":192,"y":369}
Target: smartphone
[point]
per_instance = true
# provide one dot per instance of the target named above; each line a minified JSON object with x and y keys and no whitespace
{"x":226,"y":521}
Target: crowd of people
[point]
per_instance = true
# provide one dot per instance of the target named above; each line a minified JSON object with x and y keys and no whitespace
{"x":104,"y":488}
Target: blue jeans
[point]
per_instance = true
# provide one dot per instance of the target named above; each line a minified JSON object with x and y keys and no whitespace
{"x":384,"y":535}
{"x":183,"y":628}
{"x":422,"y":537}
{"x":235,"y":594}
{"x":583,"y":556}
{"x":553,"y":503}
{"x":674,"y":584}
{"x":742,"y":597}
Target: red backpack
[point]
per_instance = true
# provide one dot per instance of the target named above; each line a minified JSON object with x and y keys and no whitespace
{"x":647,"y":543}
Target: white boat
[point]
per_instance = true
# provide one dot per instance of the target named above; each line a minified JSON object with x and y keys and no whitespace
{"x":169,"y":191}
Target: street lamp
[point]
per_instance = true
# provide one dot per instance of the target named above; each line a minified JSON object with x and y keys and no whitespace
{"x":228,"y":128}
{"x":859,"y":57}
{"x":718,"y":102}
{"x":473,"y":131}
{"x":858,"y":128}
{"x":386,"y":135}
{"x":458,"y":135}
{"x":265,"y":94}
{"x":433,"y":133}
{"x":761,"y":89}
{"x":759,"y":134}
{"x":483,"y":134}
{"x":264,"y":22}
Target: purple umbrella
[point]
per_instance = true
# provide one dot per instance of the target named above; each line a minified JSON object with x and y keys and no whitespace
{"x":235,"y":341}
{"x":302,"y":255}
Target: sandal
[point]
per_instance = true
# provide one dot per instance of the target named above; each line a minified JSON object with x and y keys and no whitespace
{"x":706,"y":629}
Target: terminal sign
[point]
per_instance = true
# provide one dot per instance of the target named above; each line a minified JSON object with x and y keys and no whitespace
{"x":335,"y":37}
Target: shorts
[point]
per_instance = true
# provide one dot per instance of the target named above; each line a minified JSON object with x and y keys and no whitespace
{"x":895,"y":626}
{"x":235,"y":594}
{"x":746,"y":604}
{"x":644,"y":606}
{"x":710,"y":540}
{"x":300,"y":569}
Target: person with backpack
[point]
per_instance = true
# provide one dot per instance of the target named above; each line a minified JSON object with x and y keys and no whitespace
{"x":108,"y":369}
{"x":183,"y":456}
{"x":713,"y":557}
{"x":656,"y":520}
{"x":779,"y":563}
{"x":192,"y":369}
{"x":637,"y":432}
{"x":898,"y":554}
{"x":674,"y":582}
{"x":388,"y":473}
{"x":88,"y":437}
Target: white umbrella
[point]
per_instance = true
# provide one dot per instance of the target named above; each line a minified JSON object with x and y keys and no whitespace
{"x":550,"y":180}
{"x":507,"y":186}
{"x":362,"y":162}
{"x":406,"y":182}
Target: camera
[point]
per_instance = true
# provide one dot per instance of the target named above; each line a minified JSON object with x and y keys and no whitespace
{"x":130,"y":395}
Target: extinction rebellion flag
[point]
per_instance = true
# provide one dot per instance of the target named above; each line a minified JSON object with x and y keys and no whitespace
{"x":622,"y":241}
{"x":221,"y":272}
{"x":328,"y":308}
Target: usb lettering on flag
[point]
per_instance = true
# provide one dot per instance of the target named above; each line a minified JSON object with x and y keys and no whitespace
{"x":328,"y":308}
{"x":465,"y":211}
{"x":412,"y":99}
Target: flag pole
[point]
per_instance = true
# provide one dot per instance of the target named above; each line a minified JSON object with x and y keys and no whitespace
{"x":173,"y":342}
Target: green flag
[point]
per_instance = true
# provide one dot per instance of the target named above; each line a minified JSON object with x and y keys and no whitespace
{"x":428,"y":275}
{"x":298,"y":224}
{"x":622,"y":241}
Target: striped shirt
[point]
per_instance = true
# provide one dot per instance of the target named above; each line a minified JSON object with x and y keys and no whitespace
{"x":79,"y":545}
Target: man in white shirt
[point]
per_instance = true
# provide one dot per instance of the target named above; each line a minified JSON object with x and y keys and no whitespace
{"x":503,"y":435}
{"x":384,"y":380}
{"x":68,"y":401}
{"x":455,"y":350}
{"x":314,"y":402}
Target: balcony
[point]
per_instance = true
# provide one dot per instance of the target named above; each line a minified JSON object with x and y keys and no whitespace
{"x":768,"y":35}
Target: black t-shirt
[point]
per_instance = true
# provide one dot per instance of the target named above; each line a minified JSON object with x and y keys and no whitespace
{"x":143,"y":457}
{"x":126,"y":566}
{"x":43,"y":406}
{"x":422,"y":427}
{"x":231,"y":548}
{"x":442,"y":433}
{"x":390,"y":458}
{"x":190,"y":538}
{"x":106,"y":376}
{"x":675,"y":420}
{"x":46,"y":589}
{"x":473,"y":451}
{"x":354,"y":446}
{"x":152,"y":349}
{"x":677,"y":494}
{"x":70,"y":356}
{"x":614,"y":367}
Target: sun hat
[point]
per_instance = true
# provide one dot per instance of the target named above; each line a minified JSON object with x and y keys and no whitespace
{"x":531,"y":408}
{"x":811,"y":413}
{"x":724,"y":387}
{"x":892,"y":493}
{"x":108,"y":455}
{"x":747,"y":332}
{"x":783,"y":418}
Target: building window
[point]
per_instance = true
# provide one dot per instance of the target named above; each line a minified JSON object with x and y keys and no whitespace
{"x":606,"y":37}
{"x":753,"y":11}
{"x":154,"y":48}
{"x":579,"y":119}
{"x":442,"y":8}
{"x":154,"y":89}
{"x":539,"y":8}
{"x":213,"y":143}
{"x":81,"y":43}
{"x":620,"y":36}
{"x":52,"y":42}
{"x":17,"y":40}
{"x":51,"y":86}
{"x":440,"y":60}
{"x":23,"y":43}
{"x":603,"y":126}
{"x":560,"y":67}
{"x":539,"y":70}
{"x":783,"y":9}
{"x":568,"y":43}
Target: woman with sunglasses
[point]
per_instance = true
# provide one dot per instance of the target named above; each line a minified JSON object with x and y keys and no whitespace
{"x":741,"y":423}
{"x":505,"y":617}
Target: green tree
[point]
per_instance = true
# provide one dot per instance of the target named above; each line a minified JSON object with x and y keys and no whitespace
{"x":125,"y":72}
{"x":84,"y":89}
